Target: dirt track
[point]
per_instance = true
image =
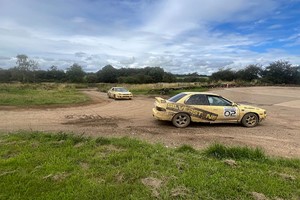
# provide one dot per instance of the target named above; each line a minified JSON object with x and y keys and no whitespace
{"x":278,"y":135}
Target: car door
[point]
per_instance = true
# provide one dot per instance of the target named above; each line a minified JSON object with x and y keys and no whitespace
{"x":224,"y":108}
{"x":199,"y":108}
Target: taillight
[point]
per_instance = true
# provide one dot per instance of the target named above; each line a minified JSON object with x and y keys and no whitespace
{"x":160,"y":109}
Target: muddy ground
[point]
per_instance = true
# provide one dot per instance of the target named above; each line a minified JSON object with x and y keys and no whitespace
{"x":278,"y":135}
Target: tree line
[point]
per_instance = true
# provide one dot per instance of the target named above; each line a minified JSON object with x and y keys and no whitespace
{"x":278,"y":72}
{"x":26,"y":71}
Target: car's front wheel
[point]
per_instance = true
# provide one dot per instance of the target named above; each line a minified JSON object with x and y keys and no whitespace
{"x":181,"y":120}
{"x":250,"y":120}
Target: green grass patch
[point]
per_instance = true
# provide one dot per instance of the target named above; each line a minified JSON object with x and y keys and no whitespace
{"x":167,"y":91}
{"x":221,"y":152}
{"x":186,"y":148}
{"x":40,"y":94}
{"x":64,"y":166}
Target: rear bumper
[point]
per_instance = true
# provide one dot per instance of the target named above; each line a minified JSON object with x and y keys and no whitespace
{"x":162,"y":115}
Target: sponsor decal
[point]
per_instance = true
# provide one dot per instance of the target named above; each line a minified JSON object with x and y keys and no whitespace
{"x":195,"y":112}
{"x":230,"y":112}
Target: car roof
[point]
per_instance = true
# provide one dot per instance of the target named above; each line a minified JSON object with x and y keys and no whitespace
{"x":204,"y":93}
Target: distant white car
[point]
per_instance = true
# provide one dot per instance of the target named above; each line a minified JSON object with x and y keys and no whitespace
{"x":119,"y":93}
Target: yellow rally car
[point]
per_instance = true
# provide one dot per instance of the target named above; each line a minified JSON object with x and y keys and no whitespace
{"x":119,"y":93}
{"x":185,"y":107}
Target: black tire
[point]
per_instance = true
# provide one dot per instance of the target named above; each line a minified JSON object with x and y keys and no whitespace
{"x":181,"y":120}
{"x":250,"y":120}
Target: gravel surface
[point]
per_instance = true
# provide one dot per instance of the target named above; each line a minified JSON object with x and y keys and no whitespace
{"x":279,"y":135}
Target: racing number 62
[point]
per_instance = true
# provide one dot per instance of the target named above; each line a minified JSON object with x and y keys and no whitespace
{"x":229,"y":113}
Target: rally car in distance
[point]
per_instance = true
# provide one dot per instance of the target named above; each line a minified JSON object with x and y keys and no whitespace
{"x":185,"y":107}
{"x":119,"y":93}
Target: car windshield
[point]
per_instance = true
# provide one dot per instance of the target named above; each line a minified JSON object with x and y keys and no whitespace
{"x":177,"y":97}
{"x":121,"y":90}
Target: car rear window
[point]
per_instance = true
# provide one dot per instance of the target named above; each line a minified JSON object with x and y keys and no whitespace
{"x":177,"y":97}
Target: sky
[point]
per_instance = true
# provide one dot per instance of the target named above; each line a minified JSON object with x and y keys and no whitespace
{"x":181,"y":36}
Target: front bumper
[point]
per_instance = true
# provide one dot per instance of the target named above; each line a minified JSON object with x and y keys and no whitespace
{"x":123,"y":96}
{"x":262,"y":116}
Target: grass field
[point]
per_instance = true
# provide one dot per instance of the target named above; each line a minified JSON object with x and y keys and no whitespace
{"x":39,"y":94}
{"x":166,"y":91}
{"x":65,"y":94}
{"x":155,"y":88}
{"x":63,"y":166}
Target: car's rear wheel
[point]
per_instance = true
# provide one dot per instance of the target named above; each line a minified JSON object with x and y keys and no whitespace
{"x":181,"y":120}
{"x":250,"y":120}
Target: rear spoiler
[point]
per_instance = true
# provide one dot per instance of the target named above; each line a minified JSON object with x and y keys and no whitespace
{"x":160,"y":100}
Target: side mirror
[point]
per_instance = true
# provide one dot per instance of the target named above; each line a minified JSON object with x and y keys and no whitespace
{"x":234,"y":104}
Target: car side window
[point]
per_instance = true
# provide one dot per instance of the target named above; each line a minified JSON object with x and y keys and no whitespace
{"x":197,"y":99}
{"x":177,"y":97}
{"x":218,"y":101}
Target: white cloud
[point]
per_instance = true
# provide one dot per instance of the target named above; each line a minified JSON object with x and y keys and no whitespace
{"x":275,"y":26}
{"x":174,"y":34}
{"x":79,"y":20}
{"x":173,"y":17}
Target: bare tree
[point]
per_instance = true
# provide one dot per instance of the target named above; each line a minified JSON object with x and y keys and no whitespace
{"x":25,"y":66}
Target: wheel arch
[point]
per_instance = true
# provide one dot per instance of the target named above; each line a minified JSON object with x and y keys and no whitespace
{"x":182,"y":112}
{"x":251,"y":113}
{"x":178,"y":122}
{"x":245,"y":117}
